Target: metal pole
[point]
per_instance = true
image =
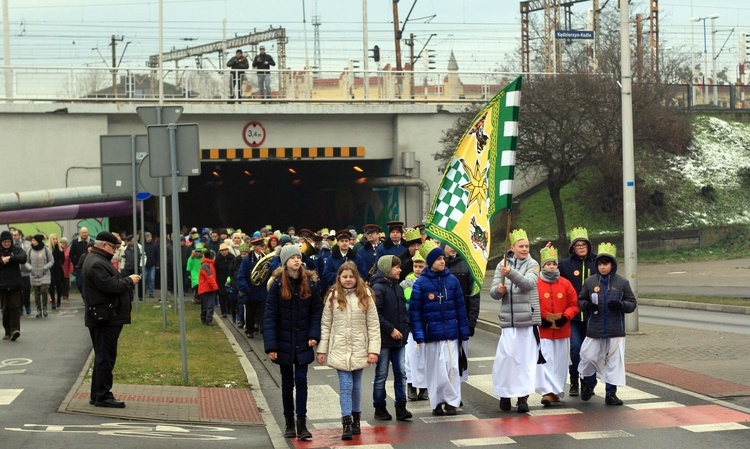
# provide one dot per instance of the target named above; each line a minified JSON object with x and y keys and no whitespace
{"x":705,"y":67}
{"x":114,"y":66}
{"x":630,"y":237}
{"x":176,"y":225}
{"x":6,"y":54}
{"x":142,"y":252}
{"x":692,"y":55}
{"x":365,"y":50}
{"x":161,"y":52}
{"x":135,"y":212}
{"x":714,"y":57}
{"x":163,"y":272}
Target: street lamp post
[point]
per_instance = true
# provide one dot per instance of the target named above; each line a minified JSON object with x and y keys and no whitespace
{"x":705,"y":53}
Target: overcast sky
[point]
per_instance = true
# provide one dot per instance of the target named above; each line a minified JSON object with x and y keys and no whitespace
{"x":484,"y":34}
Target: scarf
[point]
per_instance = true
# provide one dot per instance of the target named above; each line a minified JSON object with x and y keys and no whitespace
{"x":550,"y":276}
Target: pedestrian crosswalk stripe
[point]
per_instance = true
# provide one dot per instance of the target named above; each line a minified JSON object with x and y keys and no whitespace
{"x":654,"y":405}
{"x":8,"y":396}
{"x":599,"y":435}
{"x":320,"y":402}
{"x":441,"y":419}
{"x":553,"y":411}
{"x":481,"y":359}
{"x":474,"y":442}
{"x":631,"y":394}
{"x":715,"y":427}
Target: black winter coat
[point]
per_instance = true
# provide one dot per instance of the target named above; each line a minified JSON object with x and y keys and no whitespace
{"x":10,"y":273}
{"x":223,"y":265}
{"x":290,"y":324}
{"x":103,"y":284}
{"x":460,"y":269}
{"x":576,"y":270}
{"x":391,"y":305}
{"x":607,"y":323}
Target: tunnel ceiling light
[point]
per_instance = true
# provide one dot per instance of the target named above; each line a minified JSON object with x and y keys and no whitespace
{"x":292,"y":171}
{"x":215,"y":173}
{"x":248,"y":173}
{"x":358,"y":169}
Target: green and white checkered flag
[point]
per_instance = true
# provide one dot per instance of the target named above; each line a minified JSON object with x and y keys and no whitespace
{"x":478,"y":182}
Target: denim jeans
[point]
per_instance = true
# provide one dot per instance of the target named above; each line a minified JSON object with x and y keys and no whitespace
{"x":149,"y":279}
{"x":264,"y":85}
{"x":207,"y":306}
{"x":591,"y":382}
{"x":577,"y":335}
{"x":394,"y":356}
{"x":294,"y":376}
{"x":350,"y":391}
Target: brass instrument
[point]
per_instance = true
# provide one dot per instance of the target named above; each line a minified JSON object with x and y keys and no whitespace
{"x":307,"y":248}
{"x":262,"y":270}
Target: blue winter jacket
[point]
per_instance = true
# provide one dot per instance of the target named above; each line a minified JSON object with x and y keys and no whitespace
{"x":437,"y":308}
{"x":253,"y":293}
{"x":290,"y":324}
{"x":606,"y":323}
{"x":336,"y":259}
{"x":576,"y":270}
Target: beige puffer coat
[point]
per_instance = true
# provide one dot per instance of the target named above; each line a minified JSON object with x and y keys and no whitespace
{"x":348,"y":336}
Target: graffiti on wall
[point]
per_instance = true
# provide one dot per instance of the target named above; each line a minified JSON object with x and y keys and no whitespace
{"x":63,"y":228}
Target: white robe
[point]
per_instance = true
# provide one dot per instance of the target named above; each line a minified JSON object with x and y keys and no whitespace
{"x":443,"y":380}
{"x":604,"y":357}
{"x":551,"y":376}
{"x":514,"y":370}
{"x":414,"y":363}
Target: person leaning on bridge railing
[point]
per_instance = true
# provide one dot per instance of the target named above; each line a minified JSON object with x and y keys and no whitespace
{"x":238,"y":63}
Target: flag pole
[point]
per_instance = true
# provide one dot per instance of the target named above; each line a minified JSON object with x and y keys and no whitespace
{"x":507,"y":242}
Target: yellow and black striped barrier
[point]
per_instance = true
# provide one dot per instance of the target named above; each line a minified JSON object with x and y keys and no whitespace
{"x":214,"y":154}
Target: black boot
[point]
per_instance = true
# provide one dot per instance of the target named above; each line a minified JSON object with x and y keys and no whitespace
{"x":302,"y":432}
{"x":290,"y":431}
{"x":402,"y":414}
{"x":423,"y":396}
{"x":381,"y":413}
{"x":574,"y":391}
{"x":38,"y":312}
{"x":356,"y":427}
{"x":523,"y":404}
{"x":346,"y":424}
{"x":411,"y":392}
{"x":44,"y":312}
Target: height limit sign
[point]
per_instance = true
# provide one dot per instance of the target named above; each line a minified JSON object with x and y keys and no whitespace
{"x":254,"y":134}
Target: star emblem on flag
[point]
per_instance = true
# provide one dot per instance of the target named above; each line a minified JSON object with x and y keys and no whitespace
{"x":477,"y":185}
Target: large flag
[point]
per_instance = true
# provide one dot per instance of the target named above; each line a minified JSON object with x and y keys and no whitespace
{"x":478,"y":182}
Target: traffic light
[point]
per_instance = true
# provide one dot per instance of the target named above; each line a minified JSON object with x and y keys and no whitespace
{"x":431,"y":59}
{"x":376,"y":53}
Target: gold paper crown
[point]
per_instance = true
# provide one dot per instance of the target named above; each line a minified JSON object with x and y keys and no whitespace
{"x":548,"y":254}
{"x":607,"y":249}
{"x":516,"y":235}
{"x":426,"y":247}
{"x":412,"y":234}
{"x":417,"y":257}
{"x":578,"y":233}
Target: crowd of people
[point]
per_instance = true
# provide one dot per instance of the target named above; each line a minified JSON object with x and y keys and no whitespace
{"x":389,"y":298}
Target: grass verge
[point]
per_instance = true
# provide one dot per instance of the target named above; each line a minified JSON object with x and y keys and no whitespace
{"x":149,"y":355}
{"x":718,"y":300}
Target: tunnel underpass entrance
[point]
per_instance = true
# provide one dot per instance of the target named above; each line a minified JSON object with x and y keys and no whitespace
{"x":282,"y":193}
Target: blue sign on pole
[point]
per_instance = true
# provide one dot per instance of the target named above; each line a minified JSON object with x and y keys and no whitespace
{"x":142,"y":196}
{"x":574,"y":34}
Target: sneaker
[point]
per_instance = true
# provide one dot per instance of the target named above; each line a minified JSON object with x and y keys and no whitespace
{"x":573,"y":390}
{"x":6,"y":337}
{"x":612,"y":399}
{"x":586,"y":391}
{"x":505,"y":404}
{"x":438,"y":411}
{"x":14,"y":336}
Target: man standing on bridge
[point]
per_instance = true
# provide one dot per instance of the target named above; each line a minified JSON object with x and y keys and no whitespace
{"x":263,"y":63}
{"x":238,"y":63}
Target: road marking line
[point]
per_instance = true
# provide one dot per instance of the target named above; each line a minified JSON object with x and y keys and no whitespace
{"x":632,"y":394}
{"x":653,"y":405}
{"x":319,"y":368}
{"x":322,"y":402}
{"x":438,"y":419}
{"x":677,"y":272}
{"x":698,"y":428}
{"x":481,"y":359}
{"x":8,"y":396}
{"x":491,"y":441}
{"x":599,"y":435}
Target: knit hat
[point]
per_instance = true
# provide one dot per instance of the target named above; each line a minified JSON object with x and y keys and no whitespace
{"x":148,"y":234}
{"x":387,"y":262}
{"x":285,"y":239}
{"x":287,"y":252}
{"x":39,"y":238}
{"x":430,"y":251}
{"x":6,"y":235}
{"x":63,"y":240}
{"x":209,"y":253}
